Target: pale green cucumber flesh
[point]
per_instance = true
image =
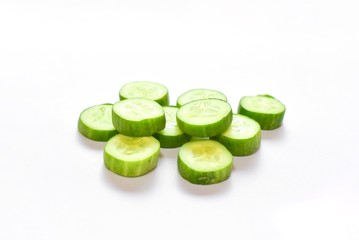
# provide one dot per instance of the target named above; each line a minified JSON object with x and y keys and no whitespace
{"x":204,"y":118}
{"x":197,"y":94}
{"x":145,"y":89}
{"x":171,"y":136}
{"x":131,"y":156}
{"x":204,"y":162}
{"x":266,"y":110}
{"x":138,"y":117}
{"x":242,"y":138}
{"x":95,"y":122}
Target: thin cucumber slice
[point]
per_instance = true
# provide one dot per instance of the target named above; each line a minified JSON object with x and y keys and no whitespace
{"x":265,"y":109}
{"x":138,"y":117}
{"x":145,"y":89}
{"x":197,"y":94}
{"x":131,"y":156}
{"x":95,"y":123}
{"x":204,"y":162}
{"x":243,"y":137}
{"x":171,"y":136}
{"x":204,"y":118}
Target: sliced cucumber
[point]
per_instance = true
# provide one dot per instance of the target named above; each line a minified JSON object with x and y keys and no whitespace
{"x":171,"y":136}
{"x":265,"y":109}
{"x":243,"y":137}
{"x":145,"y":89}
{"x":204,"y":162}
{"x":197,"y":94}
{"x":96,"y":123}
{"x":204,"y":118}
{"x":131,"y":156}
{"x":138,"y":117}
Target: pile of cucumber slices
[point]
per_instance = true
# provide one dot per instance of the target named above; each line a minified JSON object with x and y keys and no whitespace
{"x":202,"y":125}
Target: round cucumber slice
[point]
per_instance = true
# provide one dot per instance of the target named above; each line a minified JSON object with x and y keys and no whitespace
{"x":138,"y":117}
{"x":265,"y":109}
{"x":145,"y":89}
{"x":131,"y":156}
{"x":171,"y":136}
{"x":95,"y":123}
{"x":204,"y":162}
{"x":197,"y":94}
{"x":243,"y":137}
{"x":204,"y":118}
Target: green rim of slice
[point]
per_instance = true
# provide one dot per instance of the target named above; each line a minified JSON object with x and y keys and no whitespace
{"x":243,"y":137}
{"x":198,"y":94}
{"x":145,"y":89}
{"x":95,"y":123}
{"x":204,"y":118}
{"x":131,"y":156}
{"x":265,"y":109}
{"x":204,"y":162}
{"x":138,"y":117}
{"x":171,"y":136}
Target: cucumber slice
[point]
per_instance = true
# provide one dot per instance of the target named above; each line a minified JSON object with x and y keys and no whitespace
{"x":95,"y":123}
{"x":265,"y":109}
{"x":131,"y":156}
{"x":171,"y":136}
{"x":145,"y":89}
{"x":204,"y":118}
{"x":204,"y":162}
{"x":243,"y":137}
{"x":138,"y":117}
{"x":197,"y":94}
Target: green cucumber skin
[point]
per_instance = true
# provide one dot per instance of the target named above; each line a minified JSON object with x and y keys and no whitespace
{"x":96,"y":135}
{"x":146,"y":127}
{"x":208,"y":130}
{"x":203,"y":178}
{"x":131,"y":168}
{"x":167,"y":141}
{"x":164,"y":101}
{"x":265,"y":120}
{"x":240,"y":147}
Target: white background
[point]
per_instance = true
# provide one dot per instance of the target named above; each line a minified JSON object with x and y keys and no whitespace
{"x":59,"y":57}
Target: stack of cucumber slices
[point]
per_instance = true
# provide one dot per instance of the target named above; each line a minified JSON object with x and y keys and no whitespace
{"x":202,"y":125}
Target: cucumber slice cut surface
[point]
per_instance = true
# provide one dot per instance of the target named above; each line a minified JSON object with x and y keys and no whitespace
{"x":145,"y":89}
{"x":265,"y":109}
{"x":197,"y":94}
{"x":131,"y":156}
{"x":243,"y":137}
{"x":204,"y":118}
{"x":171,"y":136}
{"x":204,"y":162}
{"x":138,"y":117}
{"x":96,"y":123}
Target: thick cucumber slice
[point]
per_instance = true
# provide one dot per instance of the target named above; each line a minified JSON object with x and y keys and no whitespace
{"x":197,"y":94}
{"x":138,"y":117}
{"x":243,"y":137}
{"x":144,"y":89}
{"x":131,"y":156}
{"x":204,"y":118}
{"x":96,"y":123}
{"x":265,"y":109}
{"x":204,"y":162}
{"x":171,"y":136}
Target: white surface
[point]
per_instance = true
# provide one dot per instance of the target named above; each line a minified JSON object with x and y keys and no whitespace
{"x":57,"y":58}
